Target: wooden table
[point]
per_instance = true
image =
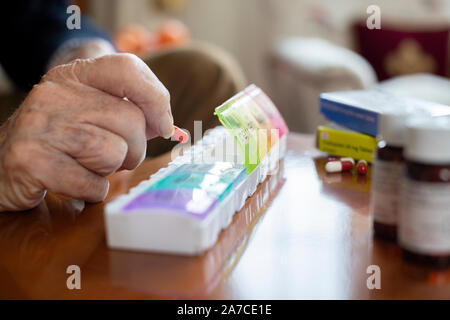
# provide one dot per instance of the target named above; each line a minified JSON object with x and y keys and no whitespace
{"x":304,"y":234}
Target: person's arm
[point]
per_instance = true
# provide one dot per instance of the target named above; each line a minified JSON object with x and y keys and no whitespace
{"x":35,"y":38}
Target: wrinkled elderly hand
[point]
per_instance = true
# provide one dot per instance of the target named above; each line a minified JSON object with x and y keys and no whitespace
{"x":82,"y":122}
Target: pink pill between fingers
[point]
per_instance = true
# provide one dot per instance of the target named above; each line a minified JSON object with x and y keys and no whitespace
{"x":179,"y":135}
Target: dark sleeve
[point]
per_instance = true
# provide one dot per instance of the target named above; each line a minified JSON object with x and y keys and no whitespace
{"x":31,"y":31}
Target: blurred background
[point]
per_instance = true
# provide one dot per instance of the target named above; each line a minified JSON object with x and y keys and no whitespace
{"x":294,"y":49}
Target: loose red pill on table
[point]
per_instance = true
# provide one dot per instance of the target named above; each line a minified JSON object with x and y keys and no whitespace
{"x":361,"y":167}
{"x":339,"y":166}
{"x":179,"y":135}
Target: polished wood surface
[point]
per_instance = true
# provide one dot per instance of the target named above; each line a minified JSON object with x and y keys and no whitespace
{"x":303,"y":234}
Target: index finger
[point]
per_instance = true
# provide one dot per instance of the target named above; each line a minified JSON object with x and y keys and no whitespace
{"x":126,"y":76}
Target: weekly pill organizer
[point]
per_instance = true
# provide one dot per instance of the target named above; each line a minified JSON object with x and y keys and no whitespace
{"x":182,"y":208}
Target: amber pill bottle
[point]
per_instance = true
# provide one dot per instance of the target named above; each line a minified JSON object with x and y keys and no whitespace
{"x":388,"y":167}
{"x":424,"y":219}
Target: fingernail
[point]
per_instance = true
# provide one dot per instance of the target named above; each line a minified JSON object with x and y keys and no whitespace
{"x":166,"y":128}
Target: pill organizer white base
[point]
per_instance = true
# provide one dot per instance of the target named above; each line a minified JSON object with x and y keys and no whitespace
{"x":163,"y":231}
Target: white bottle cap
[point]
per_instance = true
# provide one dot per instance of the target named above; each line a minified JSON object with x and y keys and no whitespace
{"x":392,"y":128}
{"x":428,"y":140}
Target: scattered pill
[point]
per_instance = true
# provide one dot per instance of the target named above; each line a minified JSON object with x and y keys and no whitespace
{"x":339,"y":166}
{"x":348,"y":159}
{"x":341,"y":159}
{"x":179,"y":135}
{"x":361,"y":167}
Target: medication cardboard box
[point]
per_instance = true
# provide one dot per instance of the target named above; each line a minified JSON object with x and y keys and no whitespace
{"x":358,"y":110}
{"x":342,"y":142}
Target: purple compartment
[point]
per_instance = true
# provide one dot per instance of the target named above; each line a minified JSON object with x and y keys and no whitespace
{"x":194,"y":202}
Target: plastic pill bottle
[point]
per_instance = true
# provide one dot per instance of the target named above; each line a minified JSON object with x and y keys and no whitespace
{"x":424,"y":220}
{"x":388,"y":166}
